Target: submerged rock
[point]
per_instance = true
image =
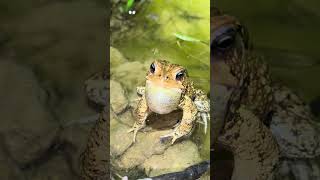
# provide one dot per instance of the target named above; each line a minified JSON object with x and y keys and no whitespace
{"x":146,"y":145}
{"x":26,"y":124}
{"x":130,"y":74}
{"x":175,"y":158}
{"x":118,"y":131}
{"x":54,"y":169}
{"x":118,"y":99}
{"x":9,"y":170}
{"x":75,"y":139}
{"x":116,"y":58}
{"x":148,"y":150}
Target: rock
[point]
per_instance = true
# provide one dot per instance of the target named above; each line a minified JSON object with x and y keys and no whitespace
{"x":175,"y":158}
{"x":9,"y":170}
{"x":75,"y":138}
{"x":127,"y":155}
{"x":127,"y":118}
{"x":55,"y":169}
{"x":146,"y":145}
{"x":130,"y":74}
{"x":69,"y":44}
{"x":118,"y":131}
{"x":205,"y":177}
{"x":116,"y":58}
{"x":27,"y":125}
{"x":97,"y":89}
{"x":118,"y":99}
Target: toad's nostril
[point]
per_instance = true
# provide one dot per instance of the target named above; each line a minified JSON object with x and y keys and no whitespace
{"x":167,"y":77}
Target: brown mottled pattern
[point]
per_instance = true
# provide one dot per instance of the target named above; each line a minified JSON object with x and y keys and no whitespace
{"x":263,"y":119}
{"x":189,"y":94}
{"x":94,"y":160}
{"x":255,"y":85}
{"x":245,"y":131}
{"x":290,"y":111}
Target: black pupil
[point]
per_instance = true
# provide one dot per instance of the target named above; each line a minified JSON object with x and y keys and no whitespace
{"x":152,"y":68}
{"x":225,"y":42}
{"x":179,"y":76}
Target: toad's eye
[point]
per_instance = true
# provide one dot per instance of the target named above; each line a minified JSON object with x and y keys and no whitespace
{"x":225,"y":42}
{"x":152,"y":68}
{"x":225,"y":38}
{"x":180,"y":75}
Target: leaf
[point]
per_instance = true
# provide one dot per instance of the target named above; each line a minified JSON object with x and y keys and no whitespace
{"x":129,"y":4}
{"x":186,"y":38}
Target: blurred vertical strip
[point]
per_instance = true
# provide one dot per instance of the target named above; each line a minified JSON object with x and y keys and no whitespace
{"x":95,"y":160}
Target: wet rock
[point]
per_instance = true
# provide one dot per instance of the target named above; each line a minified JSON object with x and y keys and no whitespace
{"x":116,"y":58}
{"x":69,"y":44}
{"x":120,"y":139}
{"x":205,"y":177}
{"x":75,"y":140}
{"x":118,"y":99}
{"x":148,"y":149}
{"x":175,"y":158}
{"x":97,"y":89}
{"x":55,"y":169}
{"x":97,"y":86}
{"x":130,"y":74}
{"x":76,"y":108}
{"x":27,"y":125}
{"x":127,"y":117}
{"x":146,"y":145}
{"x":9,"y":170}
{"x":147,"y":142}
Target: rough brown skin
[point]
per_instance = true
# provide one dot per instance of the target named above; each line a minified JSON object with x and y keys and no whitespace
{"x":255,"y":150}
{"x":264,"y":120}
{"x":95,"y":159}
{"x":164,"y":75}
{"x":244,"y":131}
{"x":297,"y":134}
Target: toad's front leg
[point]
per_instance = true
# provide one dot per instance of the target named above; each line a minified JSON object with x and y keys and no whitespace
{"x":187,"y":122}
{"x":141,"y":112}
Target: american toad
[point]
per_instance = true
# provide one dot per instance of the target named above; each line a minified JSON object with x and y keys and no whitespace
{"x":168,"y":88}
{"x":265,"y":123}
{"x":177,"y":92}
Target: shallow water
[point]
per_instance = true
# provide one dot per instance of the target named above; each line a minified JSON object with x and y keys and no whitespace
{"x":153,"y":36}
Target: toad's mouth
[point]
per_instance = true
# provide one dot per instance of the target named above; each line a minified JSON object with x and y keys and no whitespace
{"x":162,"y":100}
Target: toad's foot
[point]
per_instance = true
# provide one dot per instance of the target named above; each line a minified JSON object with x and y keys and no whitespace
{"x":176,"y":134}
{"x":136,"y":127}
